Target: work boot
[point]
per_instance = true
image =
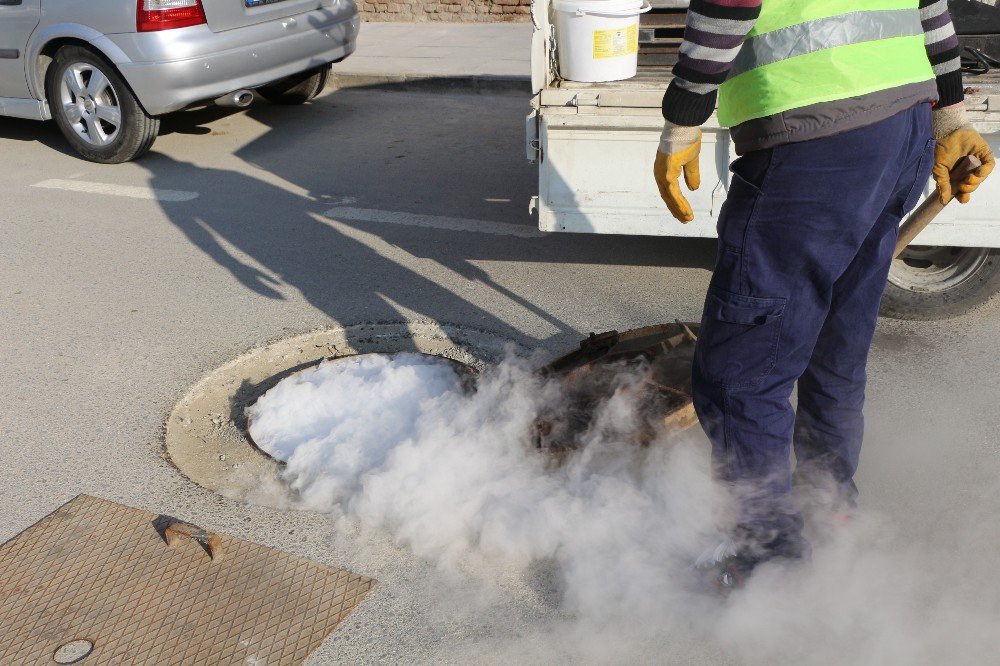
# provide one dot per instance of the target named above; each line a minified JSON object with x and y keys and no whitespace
{"x":826,"y":506}
{"x":726,"y":566}
{"x":723,"y":569}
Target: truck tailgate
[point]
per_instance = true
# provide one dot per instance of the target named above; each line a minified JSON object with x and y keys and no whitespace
{"x":596,"y":150}
{"x":230,"y":14}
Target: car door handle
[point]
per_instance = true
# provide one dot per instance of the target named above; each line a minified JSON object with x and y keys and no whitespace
{"x":9,"y":3}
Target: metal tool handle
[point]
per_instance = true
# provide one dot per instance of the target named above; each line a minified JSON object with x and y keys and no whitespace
{"x":210,"y":541}
{"x":929,"y":209}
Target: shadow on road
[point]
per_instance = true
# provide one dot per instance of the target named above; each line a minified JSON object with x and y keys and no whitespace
{"x":457,"y":156}
{"x":45,"y":133}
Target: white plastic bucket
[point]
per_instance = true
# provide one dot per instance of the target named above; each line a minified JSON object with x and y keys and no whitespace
{"x":598,"y":40}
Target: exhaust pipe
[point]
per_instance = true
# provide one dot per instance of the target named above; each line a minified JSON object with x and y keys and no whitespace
{"x":239,"y":99}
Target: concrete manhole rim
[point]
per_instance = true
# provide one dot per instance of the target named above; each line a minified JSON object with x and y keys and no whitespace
{"x":205,"y":434}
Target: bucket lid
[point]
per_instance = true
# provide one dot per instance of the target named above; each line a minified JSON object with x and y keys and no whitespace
{"x":595,"y":6}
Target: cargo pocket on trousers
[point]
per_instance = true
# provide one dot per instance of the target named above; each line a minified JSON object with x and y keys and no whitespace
{"x":738,"y":340}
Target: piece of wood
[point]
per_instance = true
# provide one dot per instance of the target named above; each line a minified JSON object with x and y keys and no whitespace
{"x":929,"y":209}
{"x":680,"y":420}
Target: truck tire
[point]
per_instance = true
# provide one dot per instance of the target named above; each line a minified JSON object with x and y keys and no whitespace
{"x":938,"y":282}
{"x":297,"y":89}
{"x":95,"y":109}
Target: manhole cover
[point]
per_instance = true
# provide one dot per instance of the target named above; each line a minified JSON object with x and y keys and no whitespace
{"x":105,"y":583}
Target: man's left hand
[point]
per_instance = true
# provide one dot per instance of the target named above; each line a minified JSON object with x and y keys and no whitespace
{"x":956,"y":138}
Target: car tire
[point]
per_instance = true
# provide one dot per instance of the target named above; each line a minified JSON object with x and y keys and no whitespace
{"x":297,"y":89}
{"x":938,"y":282}
{"x":95,"y":109}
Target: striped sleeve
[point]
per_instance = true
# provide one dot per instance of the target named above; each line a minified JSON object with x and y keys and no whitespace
{"x":713,"y":36}
{"x":941,"y":43}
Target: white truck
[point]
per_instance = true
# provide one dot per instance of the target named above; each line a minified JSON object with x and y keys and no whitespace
{"x":594,"y":144}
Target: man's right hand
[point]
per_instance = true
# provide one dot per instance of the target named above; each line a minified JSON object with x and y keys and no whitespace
{"x":679,"y":150}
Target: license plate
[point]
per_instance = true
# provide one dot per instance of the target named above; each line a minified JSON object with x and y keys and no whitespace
{"x":258,"y":3}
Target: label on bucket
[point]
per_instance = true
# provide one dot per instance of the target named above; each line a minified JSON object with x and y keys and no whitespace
{"x":616,"y":42}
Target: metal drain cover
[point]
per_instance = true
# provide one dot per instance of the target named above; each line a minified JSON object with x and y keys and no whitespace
{"x":148,"y":589}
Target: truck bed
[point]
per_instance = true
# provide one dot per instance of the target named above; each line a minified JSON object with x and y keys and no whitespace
{"x":647,"y":78}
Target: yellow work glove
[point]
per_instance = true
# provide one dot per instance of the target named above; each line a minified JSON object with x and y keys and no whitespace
{"x":956,"y":138}
{"x":679,"y":150}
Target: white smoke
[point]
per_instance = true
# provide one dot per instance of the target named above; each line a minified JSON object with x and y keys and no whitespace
{"x":396,"y":444}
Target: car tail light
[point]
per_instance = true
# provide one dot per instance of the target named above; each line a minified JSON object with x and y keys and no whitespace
{"x":153,"y":15}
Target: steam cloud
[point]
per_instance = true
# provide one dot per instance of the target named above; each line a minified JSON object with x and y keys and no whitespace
{"x":395,"y":444}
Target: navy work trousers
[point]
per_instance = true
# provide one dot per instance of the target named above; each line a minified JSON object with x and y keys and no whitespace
{"x":806,"y":238}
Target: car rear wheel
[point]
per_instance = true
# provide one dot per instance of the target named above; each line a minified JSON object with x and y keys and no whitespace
{"x":937,"y":282}
{"x":297,"y":89}
{"x":94,"y":108}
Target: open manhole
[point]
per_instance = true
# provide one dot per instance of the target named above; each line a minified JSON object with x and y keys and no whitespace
{"x":206,"y":434}
{"x":358,"y":388}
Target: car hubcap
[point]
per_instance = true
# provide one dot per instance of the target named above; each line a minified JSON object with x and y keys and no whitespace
{"x":90,"y":104}
{"x":930,"y":269}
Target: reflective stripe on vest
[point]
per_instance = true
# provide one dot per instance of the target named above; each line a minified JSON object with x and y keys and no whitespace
{"x":804,"y":52}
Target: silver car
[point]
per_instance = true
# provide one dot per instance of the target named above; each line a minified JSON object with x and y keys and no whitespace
{"x":105,"y":70}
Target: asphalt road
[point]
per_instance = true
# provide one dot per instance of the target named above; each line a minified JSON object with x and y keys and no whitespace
{"x":120,"y":286}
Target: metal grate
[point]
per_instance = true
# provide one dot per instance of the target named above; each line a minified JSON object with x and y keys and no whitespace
{"x":146,"y":589}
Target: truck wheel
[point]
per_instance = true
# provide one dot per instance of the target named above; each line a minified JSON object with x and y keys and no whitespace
{"x":95,"y":110}
{"x":937,"y":282}
{"x":297,"y":89}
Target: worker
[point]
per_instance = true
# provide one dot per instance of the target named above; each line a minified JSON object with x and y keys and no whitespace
{"x":839,"y":110}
